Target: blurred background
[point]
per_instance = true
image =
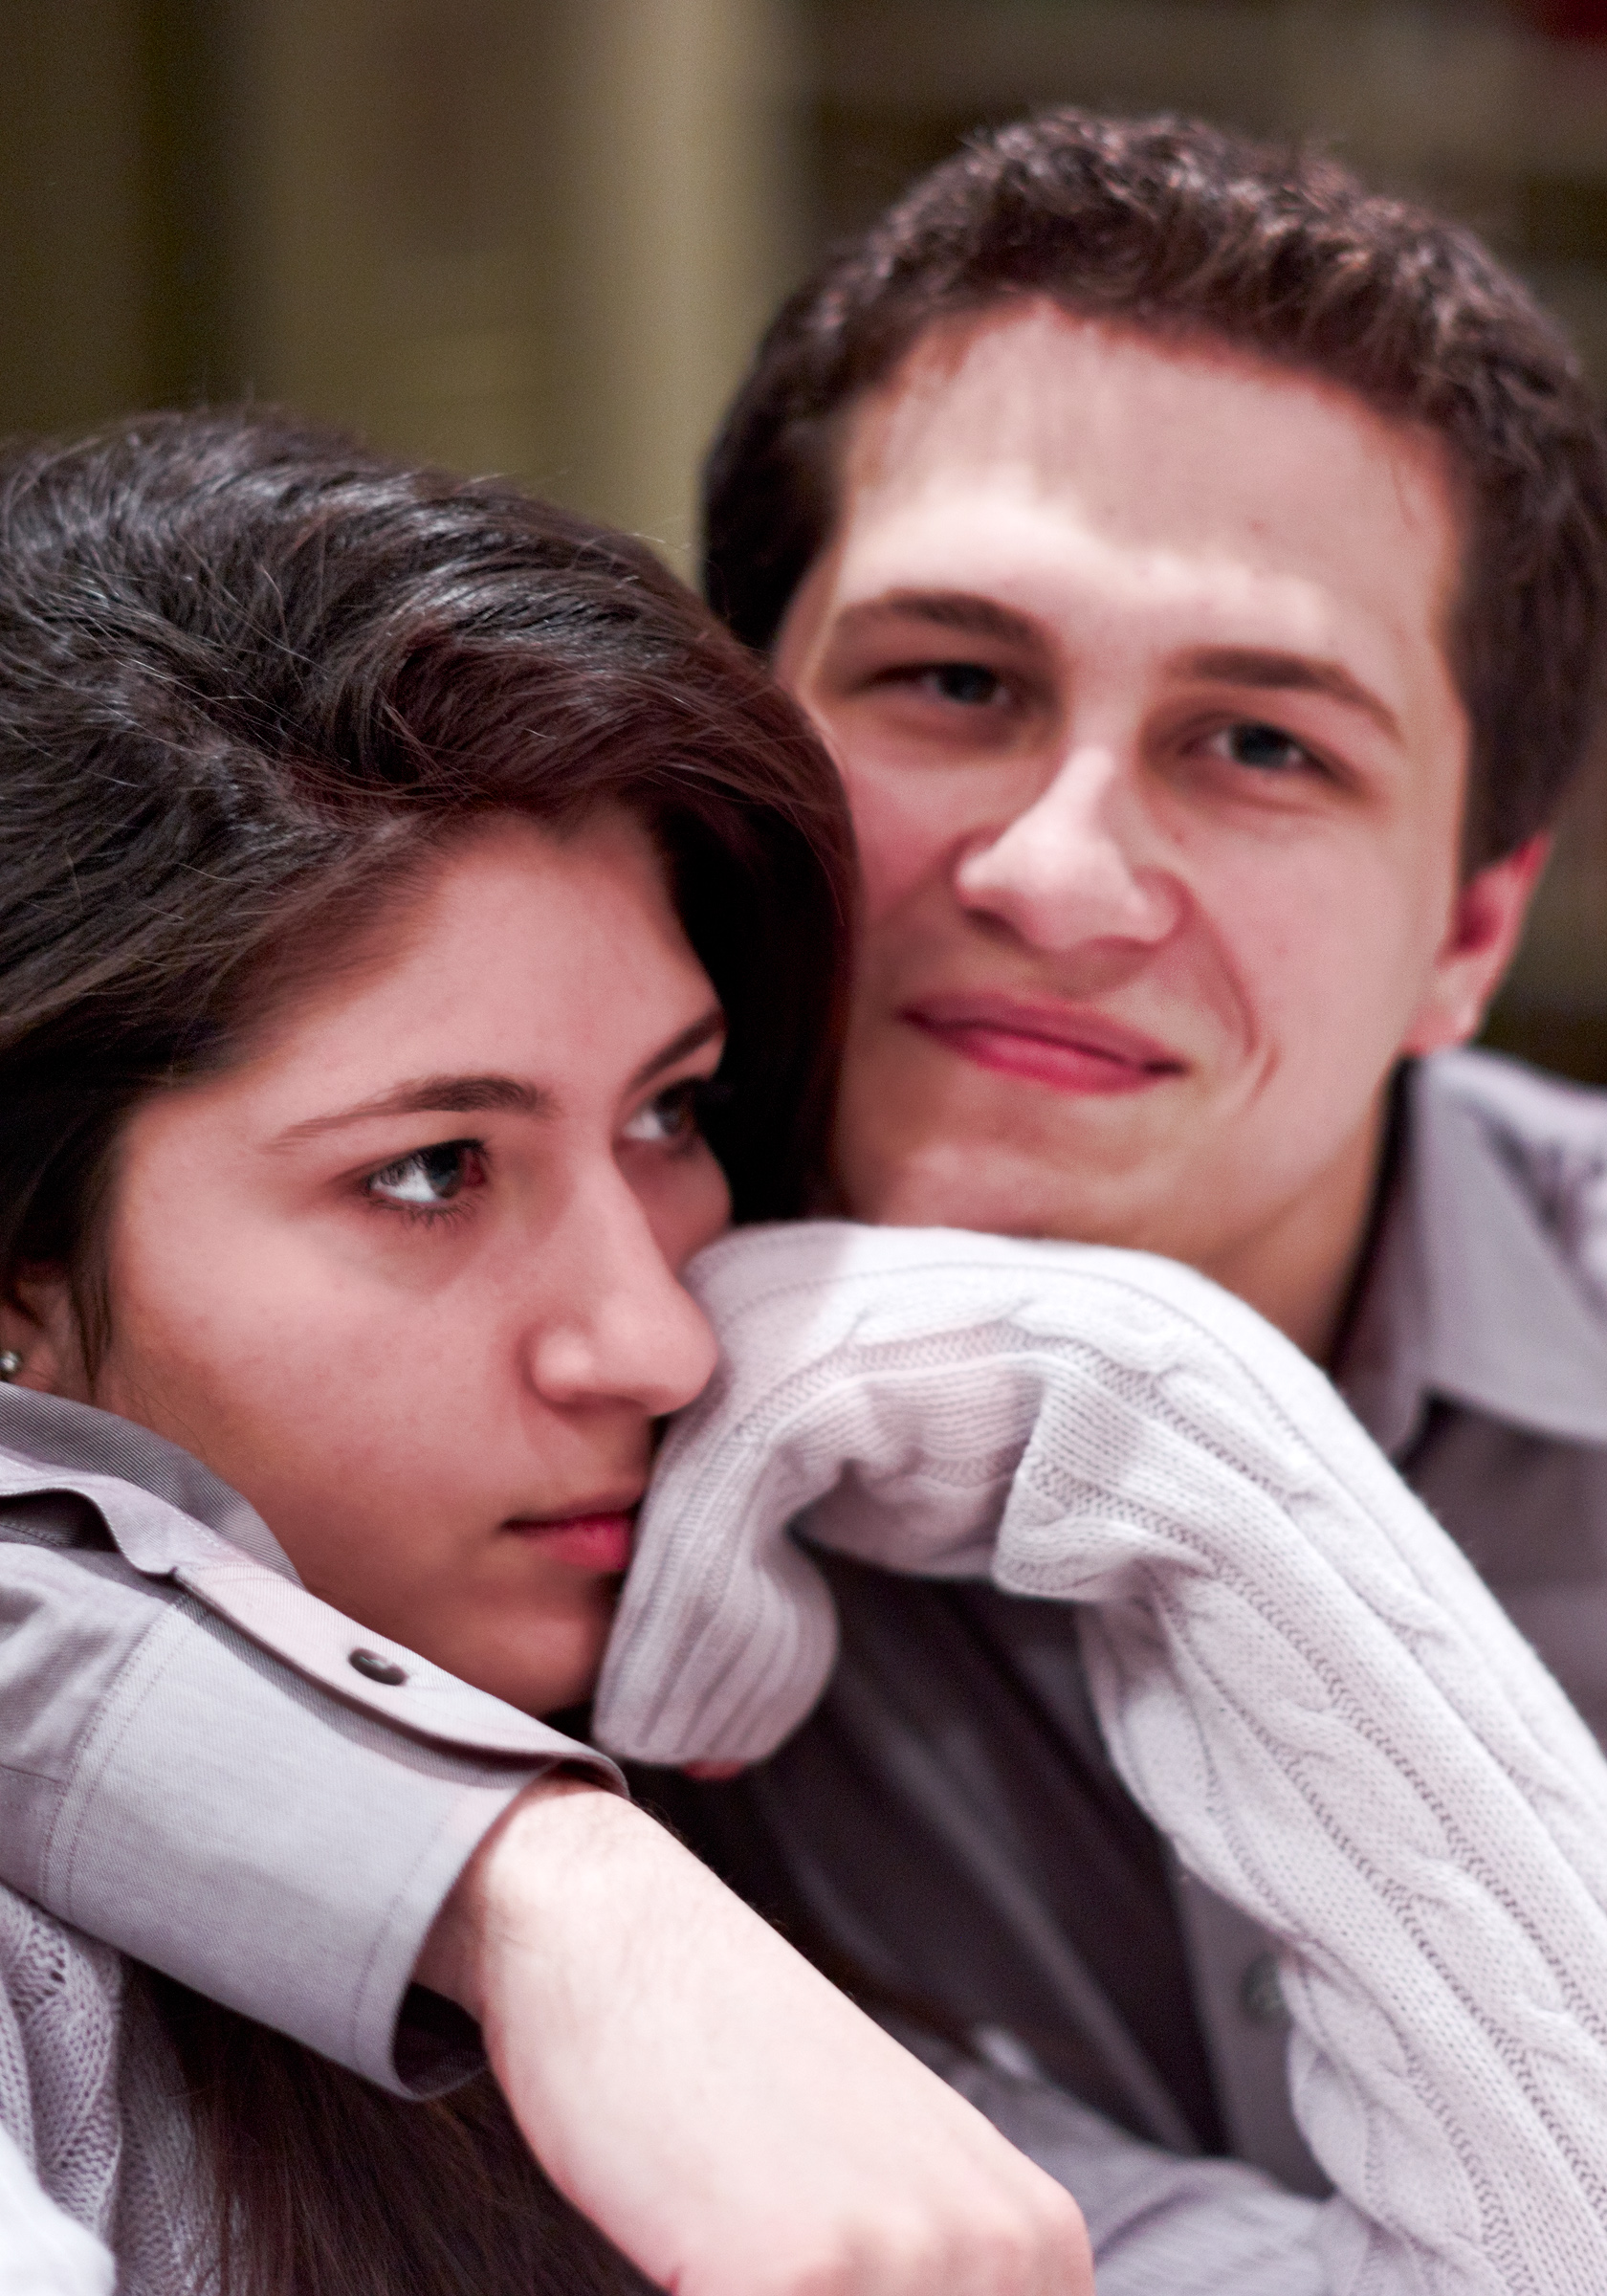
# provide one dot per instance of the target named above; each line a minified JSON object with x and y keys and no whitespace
{"x":540,"y":236}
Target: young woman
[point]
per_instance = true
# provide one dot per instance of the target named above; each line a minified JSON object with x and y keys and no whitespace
{"x":391,"y":864}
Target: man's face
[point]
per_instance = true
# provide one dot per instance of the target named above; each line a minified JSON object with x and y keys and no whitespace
{"x":1134,"y":662}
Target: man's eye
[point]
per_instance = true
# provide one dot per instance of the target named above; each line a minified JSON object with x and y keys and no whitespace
{"x":672,"y":1119}
{"x":968,"y":683}
{"x":1263,"y":748}
{"x":431,"y":1176}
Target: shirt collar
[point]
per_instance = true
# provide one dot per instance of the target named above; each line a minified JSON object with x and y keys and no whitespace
{"x":157,"y":1503}
{"x":1467,"y":1296}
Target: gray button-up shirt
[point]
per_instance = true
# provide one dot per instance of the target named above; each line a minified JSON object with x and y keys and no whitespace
{"x":1478,"y":1358}
{"x":194,"y":1770}
{"x":191,"y":1769}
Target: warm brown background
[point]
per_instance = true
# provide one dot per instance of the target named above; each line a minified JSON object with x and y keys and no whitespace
{"x":538,"y":235}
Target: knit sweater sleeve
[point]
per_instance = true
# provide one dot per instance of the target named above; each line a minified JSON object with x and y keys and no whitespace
{"x":42,"y":2252}
{"x":59,"y":2133}
{"x":1301,"y":1680}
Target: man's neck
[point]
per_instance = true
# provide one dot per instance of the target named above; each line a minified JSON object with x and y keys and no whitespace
{"x":1300,"y":1269}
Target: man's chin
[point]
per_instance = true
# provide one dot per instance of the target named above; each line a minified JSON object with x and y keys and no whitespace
{"x":983,"y":1186}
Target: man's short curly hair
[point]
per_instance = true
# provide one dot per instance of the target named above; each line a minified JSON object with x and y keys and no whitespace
{"x":1189,"y":234}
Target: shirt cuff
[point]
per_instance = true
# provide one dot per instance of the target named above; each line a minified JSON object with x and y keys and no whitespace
{"x":278,"y":1848}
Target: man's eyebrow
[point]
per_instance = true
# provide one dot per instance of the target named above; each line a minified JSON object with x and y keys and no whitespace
{"x":1288,"y":674}
{"x":958,"y":610}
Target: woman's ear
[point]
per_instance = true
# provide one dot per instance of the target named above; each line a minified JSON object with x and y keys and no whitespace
{"x":39,"y":1323}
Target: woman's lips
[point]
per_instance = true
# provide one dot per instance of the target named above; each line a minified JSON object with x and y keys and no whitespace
{"x":1047,"y":1043}
{"x":599,"y":1543}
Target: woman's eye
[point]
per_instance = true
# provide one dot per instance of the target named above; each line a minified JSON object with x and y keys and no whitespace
{"x":1263,"y":748}
{"x":430,"y":1177}
{"x":671,"y":1119}
{"x":969,"y":683}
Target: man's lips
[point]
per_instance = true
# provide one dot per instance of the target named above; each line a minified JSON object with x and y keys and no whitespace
{"x":599,"y":1542}
{"x":1056,"y":1044}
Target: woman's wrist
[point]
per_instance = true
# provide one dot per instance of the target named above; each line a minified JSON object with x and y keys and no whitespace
{"x":519,"y":1866}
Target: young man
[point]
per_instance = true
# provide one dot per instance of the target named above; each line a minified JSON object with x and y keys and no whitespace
{"x":1197,"y":566}
{"x":1199,"y":570}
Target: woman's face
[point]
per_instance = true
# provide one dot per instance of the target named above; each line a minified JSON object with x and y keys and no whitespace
{"x":407,"y":1277}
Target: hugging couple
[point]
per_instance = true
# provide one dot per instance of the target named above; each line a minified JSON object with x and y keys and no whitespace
{"x":1104,"y":1823}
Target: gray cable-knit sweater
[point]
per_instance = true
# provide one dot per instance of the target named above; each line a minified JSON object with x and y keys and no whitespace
{"x":90,"y":2097}
{"x":1301,"y":1681}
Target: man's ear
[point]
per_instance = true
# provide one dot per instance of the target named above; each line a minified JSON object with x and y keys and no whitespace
{"x":40,"y":1324}
{"x":1481,"y":939}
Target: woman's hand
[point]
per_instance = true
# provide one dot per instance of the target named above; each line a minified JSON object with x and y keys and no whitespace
{"x":728,"y":2118}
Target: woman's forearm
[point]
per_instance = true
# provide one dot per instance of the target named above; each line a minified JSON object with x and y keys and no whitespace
{"x":728,"y":2118}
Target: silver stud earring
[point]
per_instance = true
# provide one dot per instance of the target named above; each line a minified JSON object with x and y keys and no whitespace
{"x":11,"y":1363}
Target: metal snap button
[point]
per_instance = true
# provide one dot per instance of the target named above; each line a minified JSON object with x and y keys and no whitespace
{"x":377,"y":1666}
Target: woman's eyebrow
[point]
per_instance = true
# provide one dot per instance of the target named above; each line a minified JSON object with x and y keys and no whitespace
{"x":478,"y":1095}
{"x":689,"y":1040}
{"x":428,"y":1096}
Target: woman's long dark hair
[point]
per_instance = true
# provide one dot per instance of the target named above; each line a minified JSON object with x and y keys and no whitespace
{"x":312,"y":2182}
{"x":251,"y":675}
{"x":252,"y":678}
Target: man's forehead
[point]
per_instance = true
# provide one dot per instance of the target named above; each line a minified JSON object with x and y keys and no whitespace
{"x":1020,"y":442}
{"x":1048,"y":395}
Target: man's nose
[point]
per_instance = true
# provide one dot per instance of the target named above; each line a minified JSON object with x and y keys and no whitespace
{"x":1081,"y":862}
{"x":627,"y":1331}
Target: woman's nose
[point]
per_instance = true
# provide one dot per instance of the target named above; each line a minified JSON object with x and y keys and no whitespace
{"x":1081,"y":863}
{"x":628,"y":1331}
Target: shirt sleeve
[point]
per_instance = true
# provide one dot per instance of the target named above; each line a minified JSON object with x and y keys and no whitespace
{"x":193,"y":1795}
{"x":1155,"y":2223}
